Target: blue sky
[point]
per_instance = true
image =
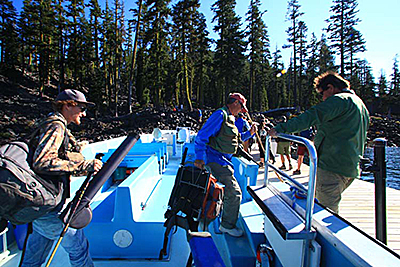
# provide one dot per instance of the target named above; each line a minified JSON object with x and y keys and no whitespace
{"x":379,"y":26}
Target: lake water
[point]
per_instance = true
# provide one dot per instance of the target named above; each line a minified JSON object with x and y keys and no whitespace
{"x":392,"y":166}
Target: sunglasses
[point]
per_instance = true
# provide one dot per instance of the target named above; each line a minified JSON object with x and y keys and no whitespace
{"x":82,"y":108}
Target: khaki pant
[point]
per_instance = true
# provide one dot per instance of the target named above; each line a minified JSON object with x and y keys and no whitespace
{"x":329,"y":188}
{"x":232,"y":193}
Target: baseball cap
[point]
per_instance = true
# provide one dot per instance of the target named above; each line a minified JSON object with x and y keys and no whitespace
{"x":75,"y":95}
{"x":242,"y":100}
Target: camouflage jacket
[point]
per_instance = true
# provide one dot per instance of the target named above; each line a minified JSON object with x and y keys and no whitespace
{"x":50,"y":156}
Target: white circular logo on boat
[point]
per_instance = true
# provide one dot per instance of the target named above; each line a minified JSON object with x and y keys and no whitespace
{"x":241,"y":169}
{"x":122,"y":238}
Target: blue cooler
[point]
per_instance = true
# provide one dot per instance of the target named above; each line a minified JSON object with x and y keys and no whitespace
{"x":246,"y":174}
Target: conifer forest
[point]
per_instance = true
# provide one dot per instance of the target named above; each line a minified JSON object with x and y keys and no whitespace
{"x":162,"y":55}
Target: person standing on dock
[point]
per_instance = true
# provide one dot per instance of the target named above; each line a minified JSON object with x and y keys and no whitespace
{"x":342,"y":121}
{"x":302,"y":149}
{"x":283,"y":149}
{"x":215,"y":144}
{"x":57,"y":156}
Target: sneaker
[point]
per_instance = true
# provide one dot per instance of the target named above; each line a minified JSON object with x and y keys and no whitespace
{"x":283,"y":167}
{"x":236,"y":232}
{"x":296,"y":172}
{"x":290,"y":167}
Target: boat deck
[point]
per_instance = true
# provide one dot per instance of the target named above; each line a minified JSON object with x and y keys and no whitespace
{"x":358,"y":203}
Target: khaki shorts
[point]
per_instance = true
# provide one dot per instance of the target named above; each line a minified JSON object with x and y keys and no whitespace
{"x":329,"y":188}
{"x":283,"y":148}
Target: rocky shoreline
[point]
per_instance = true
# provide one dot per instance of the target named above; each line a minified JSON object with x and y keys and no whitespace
{"x":21,"y":106}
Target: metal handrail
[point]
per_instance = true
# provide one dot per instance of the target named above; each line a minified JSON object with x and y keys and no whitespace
{"x":312,"y":152}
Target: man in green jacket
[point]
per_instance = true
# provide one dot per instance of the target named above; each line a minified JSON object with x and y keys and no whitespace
{"x":342,"y":122}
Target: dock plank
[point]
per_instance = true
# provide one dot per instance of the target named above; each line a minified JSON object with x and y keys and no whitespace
{"x":358,"y":203}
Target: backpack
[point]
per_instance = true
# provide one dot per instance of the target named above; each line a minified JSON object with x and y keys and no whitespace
{"x":189,"y":192}
{"x":213,"y":201}
{"x":195,"y":194}
{"x":24,"y":195}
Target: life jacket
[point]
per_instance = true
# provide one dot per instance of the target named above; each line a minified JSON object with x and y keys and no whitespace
{"x":228,"y":137}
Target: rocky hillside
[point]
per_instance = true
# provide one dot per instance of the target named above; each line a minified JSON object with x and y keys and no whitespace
{"x":21,"y":106}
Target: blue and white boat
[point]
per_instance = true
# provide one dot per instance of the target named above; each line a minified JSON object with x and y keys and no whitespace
{"x":127,"y":228}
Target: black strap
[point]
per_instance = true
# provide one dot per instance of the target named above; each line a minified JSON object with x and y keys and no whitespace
{"x":28,"y":232}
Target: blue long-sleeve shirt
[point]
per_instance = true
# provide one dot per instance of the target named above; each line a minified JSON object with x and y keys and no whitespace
{"x":209,"y":129}
{"x":244,"y":129}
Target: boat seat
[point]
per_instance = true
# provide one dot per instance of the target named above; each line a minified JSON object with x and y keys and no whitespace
{"x":286,"y":221}
{"x":204,"y":250}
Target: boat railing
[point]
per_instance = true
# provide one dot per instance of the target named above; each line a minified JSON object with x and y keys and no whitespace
{"x":310,"y":191}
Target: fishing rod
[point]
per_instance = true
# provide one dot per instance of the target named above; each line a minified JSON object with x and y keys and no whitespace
{"x":78,"y":213}
{"x":75,"y":205}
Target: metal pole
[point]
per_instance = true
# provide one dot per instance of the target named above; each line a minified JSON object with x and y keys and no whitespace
{"x":266,"y":158}
{"x":380,"y":189}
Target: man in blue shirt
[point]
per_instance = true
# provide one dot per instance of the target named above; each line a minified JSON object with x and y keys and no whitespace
{"x":215,"y":145}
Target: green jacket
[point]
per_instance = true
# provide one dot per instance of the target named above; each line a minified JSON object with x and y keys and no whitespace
{"x":342,"y":122}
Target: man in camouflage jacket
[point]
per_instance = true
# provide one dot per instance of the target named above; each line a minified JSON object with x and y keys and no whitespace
{"x":57,"y":156}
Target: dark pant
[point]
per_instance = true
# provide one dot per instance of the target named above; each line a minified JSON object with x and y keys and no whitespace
{"x":232,"y":193}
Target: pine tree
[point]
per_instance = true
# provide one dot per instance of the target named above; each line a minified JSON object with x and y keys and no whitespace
{"x":277,"y":90}
{"x":158,"y":51}
{"x":28,"y":25}
{"x":258,"y":43}
{"x":60,"y":41}
{"x":106,"y":47}
{"x":395,"y":78}
{"x":38,"y":37}
{"x":202,"y":58}
{"x":326,"y":61}
{"x":8,"y":34}
{"x":117,"y":49}
{"x":355,"y":45}
{"x":183,"y":15}
{"x":94,"y":79}
{"x":293,"y":15}
{"x":75,"y":14}
{"x":367,"y":84}
{"x":382,"y":85}
{"x":142,"y":93}
{"x":132,"y":56}
{"x":310,"y":96}
{"x":229,"y":51}
{"x":95,"y":28}
{"x":302,"y":50}
{"x":344,"y":37}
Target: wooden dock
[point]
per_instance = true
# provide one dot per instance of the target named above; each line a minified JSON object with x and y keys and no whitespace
{"x":358,"y":203}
